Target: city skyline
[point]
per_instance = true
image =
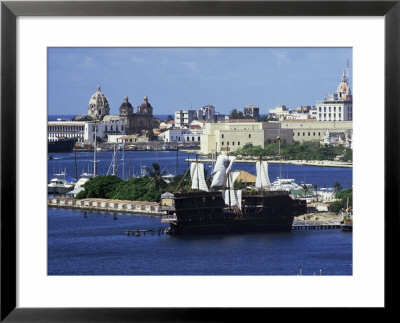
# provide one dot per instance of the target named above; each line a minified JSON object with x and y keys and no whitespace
{"x":189,"y":78}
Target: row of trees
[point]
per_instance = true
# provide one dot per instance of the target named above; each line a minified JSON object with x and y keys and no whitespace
{"x":296,"y":150}
{"x":147,"y":188}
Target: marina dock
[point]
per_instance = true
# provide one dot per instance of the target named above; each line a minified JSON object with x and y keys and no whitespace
{"x":135,"y":207}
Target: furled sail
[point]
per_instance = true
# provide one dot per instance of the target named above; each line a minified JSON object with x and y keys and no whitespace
{"x":197,"y":175}
{"x":222,"y":168}
{"x":262,"y":175}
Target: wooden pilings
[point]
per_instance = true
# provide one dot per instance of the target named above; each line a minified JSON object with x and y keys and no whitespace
{"x":137,"y":233}
{"x":302,"y":227}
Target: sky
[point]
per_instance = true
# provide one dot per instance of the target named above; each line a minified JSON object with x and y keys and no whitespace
{"x":189,"y":78}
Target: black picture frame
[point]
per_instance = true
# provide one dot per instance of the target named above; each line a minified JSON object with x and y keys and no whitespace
{"x":10,"y":10}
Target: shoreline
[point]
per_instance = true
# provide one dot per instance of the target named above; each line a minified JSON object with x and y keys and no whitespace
{"x":317,"y":163}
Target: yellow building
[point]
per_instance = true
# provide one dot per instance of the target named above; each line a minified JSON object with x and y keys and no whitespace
{"x":313,"y":130}
{"x":229,"y":136}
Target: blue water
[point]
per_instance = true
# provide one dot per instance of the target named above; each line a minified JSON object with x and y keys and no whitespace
{"x":98,"y":245}
{"x":321,"y":176}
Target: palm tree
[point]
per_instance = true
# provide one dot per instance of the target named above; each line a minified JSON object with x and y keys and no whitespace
{"x":336,"y":187}
{"x":315,"y":187}
{"x":156,"y":175}
{"x":304,"y":188}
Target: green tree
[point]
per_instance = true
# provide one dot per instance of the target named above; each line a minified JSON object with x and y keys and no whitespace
{"x":304,"y":189}
{"x":336,"y":188}
{"x":344,"y":200}
{"x":99,"y":187}
{"x":156,"y":174}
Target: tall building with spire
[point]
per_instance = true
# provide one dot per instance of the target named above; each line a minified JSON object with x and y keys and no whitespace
{"x":337,"y":106}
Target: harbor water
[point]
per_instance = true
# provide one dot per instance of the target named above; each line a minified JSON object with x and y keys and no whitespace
{"x":130,"y":163}
{"x":98,"y":244}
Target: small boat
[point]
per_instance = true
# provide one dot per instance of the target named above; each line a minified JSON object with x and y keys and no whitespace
{"x":51,"y":157}
{"x":59,"y":184}
{"x":168,"y":178}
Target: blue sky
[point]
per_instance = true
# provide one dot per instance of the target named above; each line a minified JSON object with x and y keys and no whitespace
{"x":189,"y":78}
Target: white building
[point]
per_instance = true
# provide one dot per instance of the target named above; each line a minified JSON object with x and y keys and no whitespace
{"x":174,"y":135}
{"x":183,"y":118}
{"x":110,"y":125}
{"x":280,"y":112}
{"x":337,"y":106}
{"x":66,"y":129}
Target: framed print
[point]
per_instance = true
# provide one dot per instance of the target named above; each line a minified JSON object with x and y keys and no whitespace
{"x":52,"y":52}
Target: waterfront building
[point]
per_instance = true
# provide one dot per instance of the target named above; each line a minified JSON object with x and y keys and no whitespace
{"x":251,"y":111}
{"x":109,"y":125}
{"x":337,"y":106}
{"x":313,"y":130}
{"x":66,"y":129}
{"x":229,"y":136}
{"x":174,"y":135}
{"x":127,"y":139}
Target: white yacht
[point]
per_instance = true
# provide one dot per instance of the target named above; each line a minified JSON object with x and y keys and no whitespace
{"x":85,"y":177}
{"x":59,"y":185}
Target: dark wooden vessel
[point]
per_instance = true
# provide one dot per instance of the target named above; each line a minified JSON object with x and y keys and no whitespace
{"x":206,"y":212}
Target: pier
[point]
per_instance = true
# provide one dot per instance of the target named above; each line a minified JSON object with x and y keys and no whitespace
{"x":137,"y":233}
{"x":134,"y":207}
{"x":304,"y":227}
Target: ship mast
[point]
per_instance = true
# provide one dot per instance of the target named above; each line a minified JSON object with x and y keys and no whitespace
{"x":229,"y":185}
{"x":197,"y":169}
{"x":95,"y":151}
{"x":279,"y":152}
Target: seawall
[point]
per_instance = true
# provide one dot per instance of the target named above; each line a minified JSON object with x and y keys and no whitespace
{"x":134,"y":207}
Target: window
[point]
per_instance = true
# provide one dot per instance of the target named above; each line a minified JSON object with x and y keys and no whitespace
{"x":222,"y":136}
{"x":298,"y":134}
{"x":304,"y":134}
{"x":309,"y":134}
{"x":249,"y":135}
{"x":233,"y":143}
{"x":313,"y":133}
{"x":227,"y":143}
{"x":222,"y":143}
{"x":238,"y":143}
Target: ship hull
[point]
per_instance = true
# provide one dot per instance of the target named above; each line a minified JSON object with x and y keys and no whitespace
{"x":61,"y":146}
{"x":206,"y":213}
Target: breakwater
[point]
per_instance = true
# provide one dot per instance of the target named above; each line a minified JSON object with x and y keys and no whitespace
{"x":134,"y":207}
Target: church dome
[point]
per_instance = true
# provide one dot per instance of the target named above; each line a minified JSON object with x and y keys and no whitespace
{"x":343,"y":90}
{"x":98,"y":104}
{"x":145,"y":107}
{"x":126,"y":107}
